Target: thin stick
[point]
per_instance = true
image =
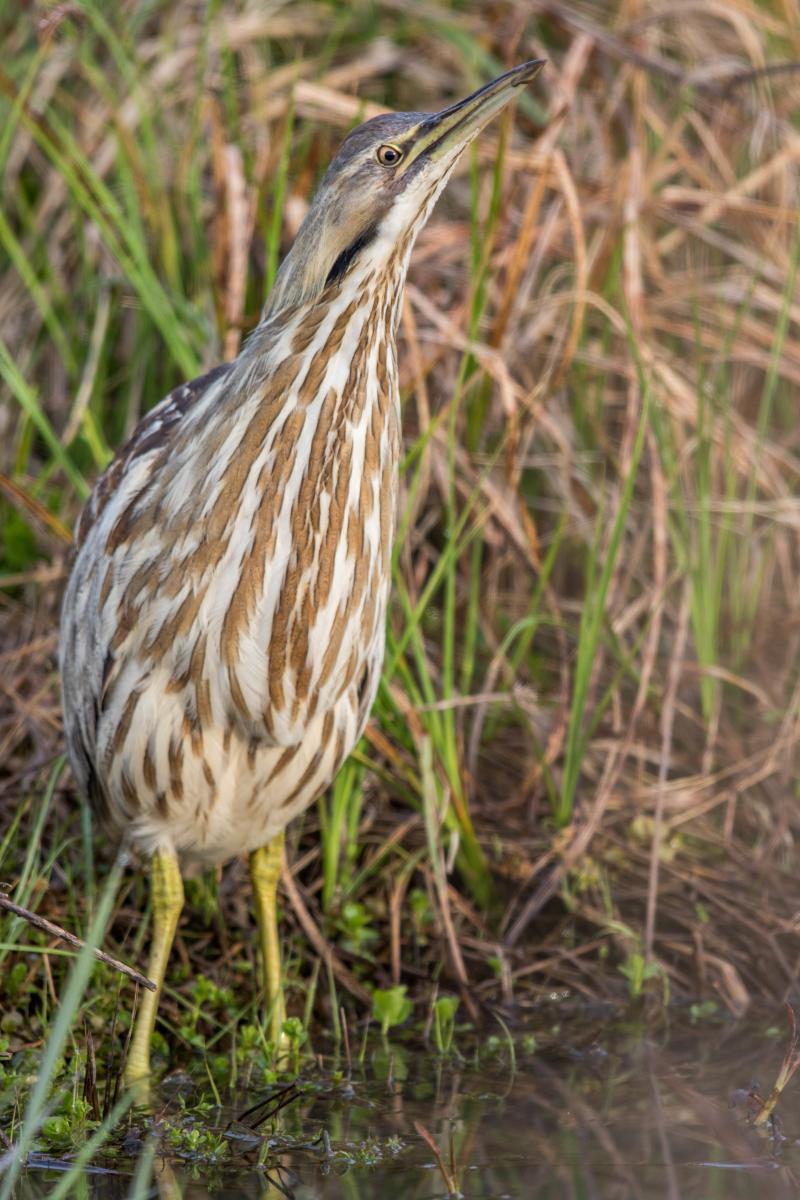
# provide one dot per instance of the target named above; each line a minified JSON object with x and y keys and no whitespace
{"x":322,"y":947}
{"x":56,"y":931}
{"x":346,"y":1036}
{"x":448,"y":1176}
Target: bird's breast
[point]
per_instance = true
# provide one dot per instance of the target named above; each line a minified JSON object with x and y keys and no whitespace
{"x":235,"y":591}
{"x":310,"y":556}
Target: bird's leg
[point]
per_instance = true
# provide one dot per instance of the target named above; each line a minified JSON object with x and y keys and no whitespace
{"x":166,"y":888}
{"x":265,"y":869}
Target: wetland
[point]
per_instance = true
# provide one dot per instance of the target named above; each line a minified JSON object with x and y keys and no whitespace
{"x":601,"y":1110}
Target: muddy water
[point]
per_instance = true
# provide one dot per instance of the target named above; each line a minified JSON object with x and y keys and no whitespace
{"x":610,"y":1113}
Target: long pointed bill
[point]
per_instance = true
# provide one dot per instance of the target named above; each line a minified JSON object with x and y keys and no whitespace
{"x":454,"y":127}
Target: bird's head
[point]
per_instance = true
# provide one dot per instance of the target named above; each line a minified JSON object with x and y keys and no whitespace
{"x":380,"y":187}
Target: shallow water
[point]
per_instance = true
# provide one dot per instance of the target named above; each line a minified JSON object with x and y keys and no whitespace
{"x":608,"y":1114}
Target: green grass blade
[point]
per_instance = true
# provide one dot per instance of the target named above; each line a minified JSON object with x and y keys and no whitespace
{"x":29,"y":403}
{"x":65,"y":1017}
{"x":593,"y":616}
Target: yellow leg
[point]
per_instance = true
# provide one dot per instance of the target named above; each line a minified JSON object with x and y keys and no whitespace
{"x":166,"y":888}
{"x":265,"y":870}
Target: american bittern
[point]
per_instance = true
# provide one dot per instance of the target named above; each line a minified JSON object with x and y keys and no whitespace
{"x":223,"y":627}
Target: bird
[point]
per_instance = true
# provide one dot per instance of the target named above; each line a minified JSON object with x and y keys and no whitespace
{"x":223,"y":625}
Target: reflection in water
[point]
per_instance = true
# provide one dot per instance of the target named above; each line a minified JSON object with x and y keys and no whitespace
{"x":621,"y":1118}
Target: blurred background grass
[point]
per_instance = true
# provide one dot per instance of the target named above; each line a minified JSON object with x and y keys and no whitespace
{"x":580,"y":773}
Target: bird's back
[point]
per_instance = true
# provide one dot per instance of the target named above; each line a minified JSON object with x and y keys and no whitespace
{"x":222,"y":629}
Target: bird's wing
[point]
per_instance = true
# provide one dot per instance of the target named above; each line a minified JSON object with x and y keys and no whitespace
{"x":152,"y":432}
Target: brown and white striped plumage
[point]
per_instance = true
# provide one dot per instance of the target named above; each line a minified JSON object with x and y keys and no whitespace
{"x":223,"y":626}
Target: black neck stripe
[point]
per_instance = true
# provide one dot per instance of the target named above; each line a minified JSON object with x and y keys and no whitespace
{"x":342,"y":264}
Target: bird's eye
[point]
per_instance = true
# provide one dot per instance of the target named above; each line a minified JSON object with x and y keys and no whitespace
{"x":389,"y":156}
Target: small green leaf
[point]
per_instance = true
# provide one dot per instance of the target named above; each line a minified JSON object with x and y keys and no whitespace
{"x":294,"y":1031}
{"x":444,"y":1019}
{"x":390,"y":1007}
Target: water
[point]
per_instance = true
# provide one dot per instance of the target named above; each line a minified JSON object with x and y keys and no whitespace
{"x":607,"y":1114}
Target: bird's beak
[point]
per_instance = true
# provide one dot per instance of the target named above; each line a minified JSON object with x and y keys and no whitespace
{"x":454,"y":128}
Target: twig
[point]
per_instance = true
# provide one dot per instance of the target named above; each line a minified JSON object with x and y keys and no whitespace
{"x":56,"y":931}
{"x":791,"y":1061}
{"x":447,"y":1174}
{"x":322,"y":947}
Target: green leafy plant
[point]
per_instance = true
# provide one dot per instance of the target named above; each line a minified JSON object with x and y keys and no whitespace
{"x":295,"y":1033}
{"x":195,"y":1142}
{"x":391,"y":1007}
{"x":355,"y":923}
{"x":639,"y":972}
{"x":444,"y":1022}
{"x":67,"y":1128}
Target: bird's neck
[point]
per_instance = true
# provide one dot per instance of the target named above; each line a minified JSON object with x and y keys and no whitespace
{"x":322,"y":379}
{"x":345,"y":331}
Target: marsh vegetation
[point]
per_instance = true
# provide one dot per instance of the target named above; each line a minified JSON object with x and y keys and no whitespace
{"x":579,"y":778}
